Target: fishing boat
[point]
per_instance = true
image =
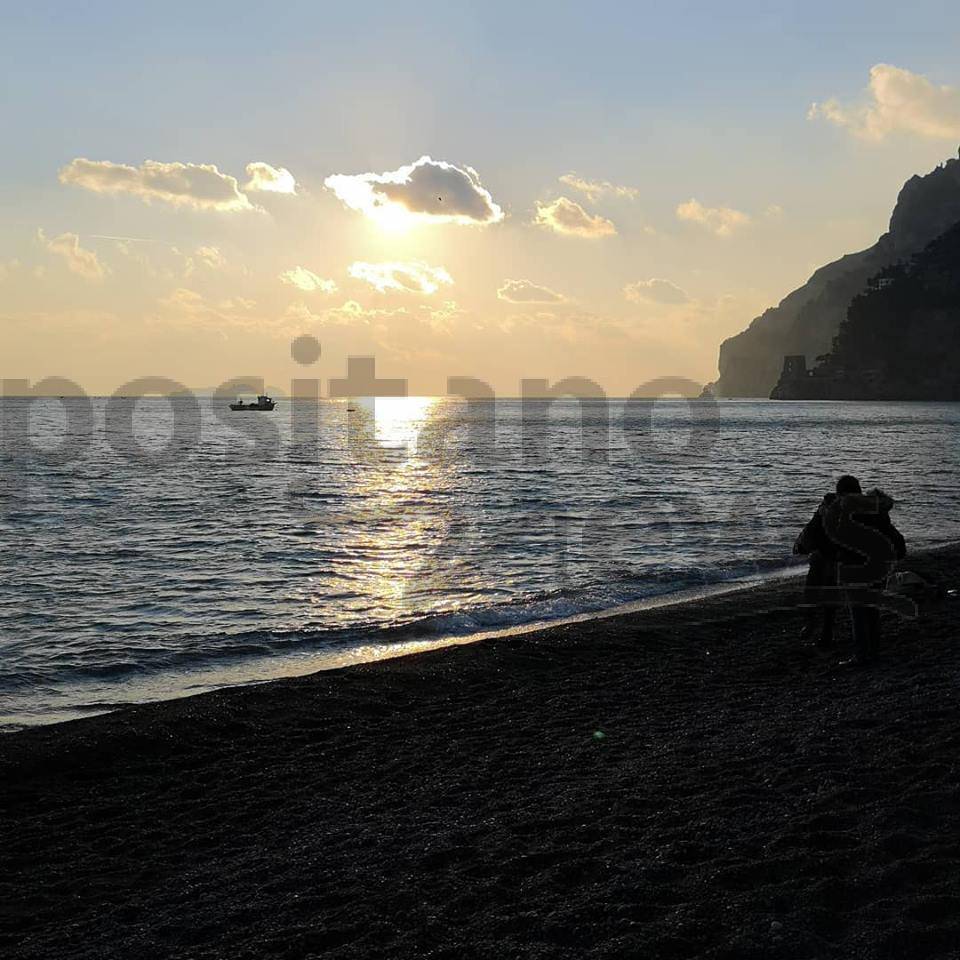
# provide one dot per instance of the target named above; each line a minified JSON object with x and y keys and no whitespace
{"x":263,"y":403}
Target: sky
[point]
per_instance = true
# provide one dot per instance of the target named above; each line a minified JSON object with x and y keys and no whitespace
{"x":502,"y":191}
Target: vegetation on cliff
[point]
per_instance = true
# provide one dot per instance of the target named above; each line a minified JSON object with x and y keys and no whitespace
{"x":806,"y":321}
{"x":901,"y":338}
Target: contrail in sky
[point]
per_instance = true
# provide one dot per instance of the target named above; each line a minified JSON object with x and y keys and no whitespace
{"x":101,"y":236}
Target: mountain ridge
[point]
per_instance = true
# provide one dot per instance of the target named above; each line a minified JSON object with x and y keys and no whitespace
{"x":901,"y":337}
{"x":805,"y":322}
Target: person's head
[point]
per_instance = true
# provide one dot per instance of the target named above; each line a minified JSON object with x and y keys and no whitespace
{"x":883,"y":500}
{"x":848,"y":484}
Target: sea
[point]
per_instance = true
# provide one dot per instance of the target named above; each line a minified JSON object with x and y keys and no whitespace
{"x":153,"y":548}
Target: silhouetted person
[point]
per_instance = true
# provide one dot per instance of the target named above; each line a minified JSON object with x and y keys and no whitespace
{"x":839,"y":534}
{"x":871,"y":511}
{"x":821,"y":575}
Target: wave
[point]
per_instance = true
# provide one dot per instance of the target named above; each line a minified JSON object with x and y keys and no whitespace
{"x":187,"y":653}
{"x":183,"y":666}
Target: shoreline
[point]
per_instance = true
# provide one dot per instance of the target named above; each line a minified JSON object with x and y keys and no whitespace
{"x":686,"y":781}
{"x":412,"y":640}
{"x":155,"y":688}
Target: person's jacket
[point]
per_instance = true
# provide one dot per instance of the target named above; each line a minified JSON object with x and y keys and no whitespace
{"x":869,"y":510}
{"x":813,"y":537}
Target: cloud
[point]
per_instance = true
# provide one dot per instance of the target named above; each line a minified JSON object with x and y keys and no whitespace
{"x":267,"y":179}
{"x":655,"y":290}
{"x":204,"y":257}
{"x":413,"y":277}
{"x":722,"y":221}
{"x":9,"y":268}
{"x":349,"y":314}
{"x":303,"y":316}
{"x":209,"y":257}
{"x":569,"y":218}
{"x":525,"y":291}
{"x":593,"y":190}
{"x":307,"y":280}
{"x":896,"y":101}
{"x":394,"y":329}
{"x":196,"y":185}
{"x":443,"y":319}
{"x":185,"y":306}
{"x":82,"y":262}
{"x":431,"y":191}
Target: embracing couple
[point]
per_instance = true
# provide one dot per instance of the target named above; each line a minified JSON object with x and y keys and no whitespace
{"x":852,"y":545}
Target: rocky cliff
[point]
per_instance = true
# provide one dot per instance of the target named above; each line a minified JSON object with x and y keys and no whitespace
{"x":806,"y":321}
{"x":901,"y":337}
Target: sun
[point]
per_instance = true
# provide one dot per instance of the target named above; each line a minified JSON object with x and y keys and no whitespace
{"x":393,"y":217}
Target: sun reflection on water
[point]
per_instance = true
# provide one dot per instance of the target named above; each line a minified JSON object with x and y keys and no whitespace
{"x":398,"y":421}
{"x":395,"y":499}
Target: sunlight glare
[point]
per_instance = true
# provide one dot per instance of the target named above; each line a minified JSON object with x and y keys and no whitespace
{"x":399,"y":420}
{"x":393,"y":218}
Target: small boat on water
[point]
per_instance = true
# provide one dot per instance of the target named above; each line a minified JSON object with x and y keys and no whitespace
{"x":263,"y":403}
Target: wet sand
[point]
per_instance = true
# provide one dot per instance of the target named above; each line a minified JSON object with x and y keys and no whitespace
{"x":685,"y":782}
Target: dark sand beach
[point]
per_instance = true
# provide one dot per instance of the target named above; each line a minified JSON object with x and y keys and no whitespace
{"x":686,"y":782}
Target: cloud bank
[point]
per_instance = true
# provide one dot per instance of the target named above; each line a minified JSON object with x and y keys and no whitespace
{"x":413,"y":277}
{"x":525,"y":291}
{"x":722,"y":221}
{"x":188,"y":307}
{"x":896,"y":101}
{"x":199,"y":186}
{"x":211,"y":257}
{"x":567,"y":217}
{"x":431,"y":191}
{"x":307,"y":280}
{"x":9,"y":268}
{"x":267,"y":179}
{"x":82,"y":262}
{"x":655,"y":290}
